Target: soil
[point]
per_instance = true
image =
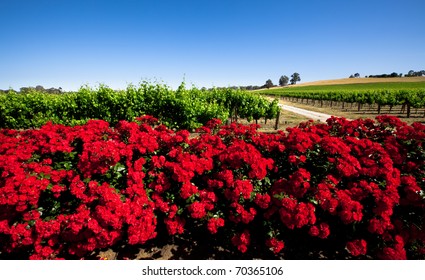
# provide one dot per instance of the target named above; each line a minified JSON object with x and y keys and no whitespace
{"x":200,"y":245}
{"x":309,"y":114}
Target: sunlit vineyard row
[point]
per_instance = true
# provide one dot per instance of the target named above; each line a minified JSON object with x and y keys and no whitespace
{"x":181,"y":109}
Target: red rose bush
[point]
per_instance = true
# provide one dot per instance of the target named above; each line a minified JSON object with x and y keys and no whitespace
{"x":347,"y":189}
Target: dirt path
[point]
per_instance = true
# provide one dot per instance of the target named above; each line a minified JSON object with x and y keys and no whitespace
{"x":316,"y":116}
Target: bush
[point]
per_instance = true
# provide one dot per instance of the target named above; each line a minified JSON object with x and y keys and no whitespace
{"x":180,"y":109}
{"x":345,"y":189}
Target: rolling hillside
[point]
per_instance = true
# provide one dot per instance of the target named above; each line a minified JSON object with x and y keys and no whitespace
{"x":354,"y":84}
{"x":345,"y":81}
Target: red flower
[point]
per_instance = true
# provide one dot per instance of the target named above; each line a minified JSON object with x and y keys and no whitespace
{"x":240,"y":214}
{"x":314,"y":231}
{"x":242,"y":241}
{"x":275,"y":245}
{"x":296,"y":215}
{"x":262,"y":200}
{"x":243,"y":188}
{"x":174,"y":225}
{"x":324,"y":230}
{"x":298,"y":183}
{"x":197,"y":210}
{"x":357,"y":247}
{"x":187,"y":190}
{"x":379,"y":225}
{"x":226,"y":176}
{"x":397,"y":252}
{"x":214,"y":224}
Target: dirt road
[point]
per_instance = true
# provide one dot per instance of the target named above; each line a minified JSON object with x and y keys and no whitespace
{"x":315,"y":116}
{"x":310,"y":114}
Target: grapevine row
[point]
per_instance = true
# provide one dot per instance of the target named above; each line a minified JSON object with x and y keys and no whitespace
{"x":181,"y":109}
{"x":409,"y":97}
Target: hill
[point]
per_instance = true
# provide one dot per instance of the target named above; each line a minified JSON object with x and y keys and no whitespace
{"x":345,"y":81}
{"x":353,"y":84}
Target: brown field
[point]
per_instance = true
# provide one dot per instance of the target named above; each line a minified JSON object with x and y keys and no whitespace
{"x":360,"y":81}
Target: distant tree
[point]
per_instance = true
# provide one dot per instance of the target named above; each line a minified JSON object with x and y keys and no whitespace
{"x":283,"y":81}
{"x":39,"y":88}
{"x":351,"y":76}
{"x":26,"y":89}
{"x":269,"y":84}
{"x":411,"y":73}
{"x":357,"y":75}
{"x":295,"y":78}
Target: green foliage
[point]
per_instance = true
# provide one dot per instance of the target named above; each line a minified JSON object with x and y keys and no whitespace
{"x":283,"y":81}
{"x":354,"y":87}
{"x":295,"y":78}
{"x":382,"y":96}
{"x":180,"y":109}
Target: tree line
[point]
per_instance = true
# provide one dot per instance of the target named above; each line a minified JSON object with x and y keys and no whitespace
{"x":411,"y":73}
{"x":37,"y":89}
{"x":283,"y":81}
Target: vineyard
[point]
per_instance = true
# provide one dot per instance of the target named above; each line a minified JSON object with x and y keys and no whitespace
{"x":81,"y":174}
{"x":179,"y":109}
{"x":410,"y":100}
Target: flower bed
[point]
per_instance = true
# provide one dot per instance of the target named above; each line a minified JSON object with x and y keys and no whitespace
{"x":349,"y":189}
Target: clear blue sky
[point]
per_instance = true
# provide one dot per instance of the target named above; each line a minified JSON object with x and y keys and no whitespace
{"x":64,"y":43}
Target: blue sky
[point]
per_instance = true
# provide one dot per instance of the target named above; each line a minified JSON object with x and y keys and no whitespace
{"x":207,"y":43}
